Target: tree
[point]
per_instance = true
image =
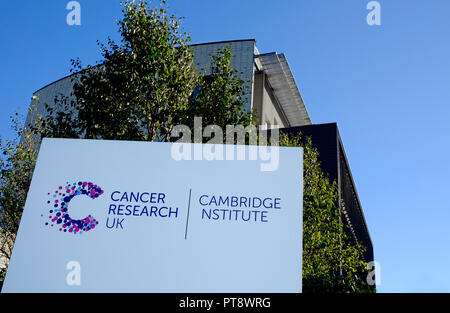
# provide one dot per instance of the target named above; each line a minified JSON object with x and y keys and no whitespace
{"x":331,"y":262}
{"x":17,"y":161}
{"x":146,"y":85}
{"x":134,"y":91}
{"x":219,"y":96}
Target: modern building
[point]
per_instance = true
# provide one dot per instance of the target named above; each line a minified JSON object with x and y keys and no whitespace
{"x":271,"y":89}
{"x":327,"y":140}
{"x":274,"y":97}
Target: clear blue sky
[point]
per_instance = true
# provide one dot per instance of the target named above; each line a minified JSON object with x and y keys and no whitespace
{"x":386,"y":86}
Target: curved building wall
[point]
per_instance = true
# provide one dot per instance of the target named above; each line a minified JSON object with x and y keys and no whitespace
{"x":47,"y":94}
{"x":242,"y":59}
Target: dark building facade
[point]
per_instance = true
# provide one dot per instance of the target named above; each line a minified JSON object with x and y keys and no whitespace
{"x":326,"y":139}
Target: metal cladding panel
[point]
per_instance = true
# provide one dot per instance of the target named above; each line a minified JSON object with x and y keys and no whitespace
{"x":242,"y":59}
{"x":47,"y":94}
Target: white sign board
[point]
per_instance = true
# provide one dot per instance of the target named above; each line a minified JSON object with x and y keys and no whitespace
{"x":120,"y":216}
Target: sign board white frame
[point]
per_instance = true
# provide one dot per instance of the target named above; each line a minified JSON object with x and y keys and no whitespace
{"x":207,"y":226}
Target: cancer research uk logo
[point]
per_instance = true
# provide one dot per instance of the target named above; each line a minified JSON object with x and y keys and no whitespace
{"x":123,"y":204}
{"x":58,"y":204}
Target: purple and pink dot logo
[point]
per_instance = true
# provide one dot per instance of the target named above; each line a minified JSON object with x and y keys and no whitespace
{"x":58,"y":205}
